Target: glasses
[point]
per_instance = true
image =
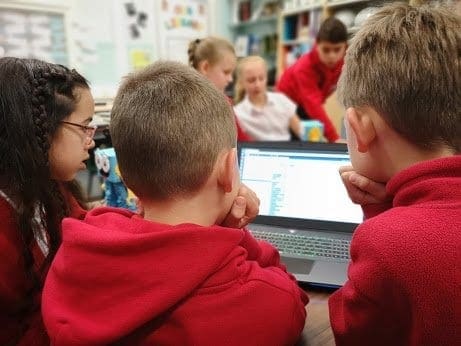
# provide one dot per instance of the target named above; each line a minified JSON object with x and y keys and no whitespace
{"x":89,"y":130}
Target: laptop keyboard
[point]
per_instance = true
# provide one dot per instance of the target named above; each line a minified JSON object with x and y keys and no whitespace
{"x":311,"y":247}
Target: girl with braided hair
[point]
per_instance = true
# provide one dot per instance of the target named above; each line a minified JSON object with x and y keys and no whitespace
{"x":215,"y":58}
{"x":45,"y":135}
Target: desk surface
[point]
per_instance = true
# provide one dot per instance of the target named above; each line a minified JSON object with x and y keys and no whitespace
{"x":317,"y":329}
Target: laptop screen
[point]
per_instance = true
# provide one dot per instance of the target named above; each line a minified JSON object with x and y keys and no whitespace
{"x":298,"y":180}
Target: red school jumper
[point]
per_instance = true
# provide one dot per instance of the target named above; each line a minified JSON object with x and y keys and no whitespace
{"x":404,"y":279}
{"x":308,"y":83}
{"x":242,"y":136}
{"x":146,"y":283}
{"x":19,"y":327}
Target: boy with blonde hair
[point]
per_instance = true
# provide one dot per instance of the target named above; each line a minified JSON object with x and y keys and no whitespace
{"x":401,"y":86}
{"x":173,"y":276}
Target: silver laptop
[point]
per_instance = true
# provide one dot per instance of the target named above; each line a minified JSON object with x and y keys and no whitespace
{"x":305,"y":210}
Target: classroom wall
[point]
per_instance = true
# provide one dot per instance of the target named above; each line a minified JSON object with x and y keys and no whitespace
{"x":91,"y":35}
{"x":220,"y":21}
{"x":101,"y":47}
{"x":95,"y":47}
{"x":111,"y":49}
{"x":100,"y":39}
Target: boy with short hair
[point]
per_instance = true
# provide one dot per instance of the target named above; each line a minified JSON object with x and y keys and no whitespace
{"x":313,"y":77}
{"x":401,"y":86}
{"x":172,"y":277}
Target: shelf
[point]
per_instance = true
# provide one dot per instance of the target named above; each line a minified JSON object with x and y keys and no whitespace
{"x":296,"y":41}
{"x":297,"y":10}
{"x":332,"y":3}
{"x":319,"y":5}
{"x":253,"y":22}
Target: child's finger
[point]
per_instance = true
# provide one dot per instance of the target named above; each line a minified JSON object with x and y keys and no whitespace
{"x":237,"y":212}
{"x":376,"y":191}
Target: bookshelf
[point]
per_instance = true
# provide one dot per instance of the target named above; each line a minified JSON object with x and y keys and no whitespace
{"x":254,"y":28}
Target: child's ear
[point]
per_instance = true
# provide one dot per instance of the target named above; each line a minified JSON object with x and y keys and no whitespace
{"x":227,"y":170}
{"x":203,"y":66}
{"x":362,"y":126}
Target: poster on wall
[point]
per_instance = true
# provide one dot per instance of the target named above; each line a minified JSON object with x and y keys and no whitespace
{"x":33,"y":34}
{"x":139,"y":32}
{"x":179,"y":22}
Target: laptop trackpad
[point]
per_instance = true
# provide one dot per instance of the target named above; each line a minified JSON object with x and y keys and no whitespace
{"x":298,"y":265}
{"x":317,"y":272}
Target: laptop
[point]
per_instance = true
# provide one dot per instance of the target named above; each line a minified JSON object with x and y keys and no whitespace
{"x":305,"y":211}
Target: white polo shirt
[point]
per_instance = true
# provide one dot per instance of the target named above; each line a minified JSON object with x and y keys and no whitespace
{"x":269,"y":123}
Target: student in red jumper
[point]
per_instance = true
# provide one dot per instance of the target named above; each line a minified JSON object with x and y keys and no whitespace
{"x":403,"y":124}
{"x":181,"y":274}
{"x":45,"y":136}
{"x":215,"y":58}
{"x":313,"y":77}
{"x":45,"y":112}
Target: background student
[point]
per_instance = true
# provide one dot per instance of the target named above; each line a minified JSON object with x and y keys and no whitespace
{"x":45,"y":135}
{"x":404,"y":279}
{"x":264,"y":115}
{"x":173,"y":277}
{"x":215,"y":58}
{"x":313,"y":77}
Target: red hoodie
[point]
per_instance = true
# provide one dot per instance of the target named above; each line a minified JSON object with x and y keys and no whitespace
{"x":20,"y":326}
{"x":404,"y":285}
{"x":308,"y":83}
{"x":120,"y":278}
{"x":242,"y":136}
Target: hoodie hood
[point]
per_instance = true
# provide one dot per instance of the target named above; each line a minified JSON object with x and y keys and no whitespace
{"x":109,"y":250}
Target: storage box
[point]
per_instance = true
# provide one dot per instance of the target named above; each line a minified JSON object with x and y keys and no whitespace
{"x":312,"y":131}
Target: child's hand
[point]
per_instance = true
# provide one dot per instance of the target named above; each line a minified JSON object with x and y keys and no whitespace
{"x":139,"y":207}
{"x":244,"y":209}
{"x":362,"y":190}
{"x":96,"y":204}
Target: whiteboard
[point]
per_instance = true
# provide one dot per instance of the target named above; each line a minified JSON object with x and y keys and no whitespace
{"x":33,"y":33}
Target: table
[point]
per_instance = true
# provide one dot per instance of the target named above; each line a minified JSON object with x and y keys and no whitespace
{"x":317,"y":329}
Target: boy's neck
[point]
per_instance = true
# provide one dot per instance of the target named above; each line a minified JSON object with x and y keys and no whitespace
{"x":200,"y":209}
{"x":378,"y":151}
{"x":409,"y":155}
{"x":394,"y":153}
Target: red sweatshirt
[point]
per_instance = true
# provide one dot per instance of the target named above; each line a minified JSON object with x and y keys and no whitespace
{"x":404,"y":284}
{"x":308,"y":83}
{"x":17,"y":326}
{"x":242,"y":136}
{"x":145,"y":283}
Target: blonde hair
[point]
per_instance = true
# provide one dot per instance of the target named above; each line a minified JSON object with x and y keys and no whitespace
{"x":239,"y":90}
{"x":168,"y":126}
{"x":405,"y":63}
{"x":208,"y":49}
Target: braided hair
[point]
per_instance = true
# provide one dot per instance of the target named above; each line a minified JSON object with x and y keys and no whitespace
{"x":35,"y":96}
